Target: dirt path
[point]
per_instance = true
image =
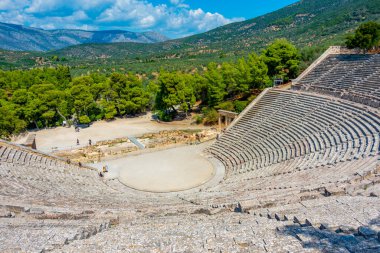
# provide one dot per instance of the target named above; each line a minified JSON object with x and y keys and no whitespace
{"x":61,"y":138}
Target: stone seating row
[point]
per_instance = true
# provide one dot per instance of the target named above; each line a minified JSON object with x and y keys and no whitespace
{"x":283,"y":187}
{"x":223,"y":232}
{"x":300,"y":125}
{"x":192,"y":233}
{"x":26,"y":175}
{"x":42,"y":235}
{"x":348,"y":211}
{"x":352,"y":77}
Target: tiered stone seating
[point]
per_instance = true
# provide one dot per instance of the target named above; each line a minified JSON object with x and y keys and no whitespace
{"x":348,"y":211}
{"x":30,"y":235}
{"x":223,"y":232}
{"x":302,"y":174}
{"x":192,"y":233}
{"x":352,"y":76}
{"x":30,"y":175}
{"x":289,"y":146}
{"x":286,"y":125}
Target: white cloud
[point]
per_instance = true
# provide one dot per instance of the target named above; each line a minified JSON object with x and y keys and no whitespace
{"x":6,"y":5}
{"x":40,"y":6}
{"x":14,"y":17}
{"x":179,"y":3}
{"x":175,"y":19}
{"x":68,"y":22}
{"x":140,"y":14}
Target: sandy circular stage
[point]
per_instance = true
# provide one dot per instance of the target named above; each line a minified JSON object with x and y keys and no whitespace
{"x":170,"y":170}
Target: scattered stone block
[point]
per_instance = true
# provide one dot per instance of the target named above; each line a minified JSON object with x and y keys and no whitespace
{"x":36,"y":211}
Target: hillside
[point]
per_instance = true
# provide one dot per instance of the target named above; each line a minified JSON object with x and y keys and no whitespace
{"x":307,"y":23}
{"x":21,"y":38}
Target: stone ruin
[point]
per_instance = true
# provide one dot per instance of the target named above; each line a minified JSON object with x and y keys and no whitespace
{"x":301,"y":175}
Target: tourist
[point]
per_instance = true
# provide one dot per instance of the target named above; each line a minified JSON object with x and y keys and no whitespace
{"x":89,"y":142}
{"x":77,"y":141}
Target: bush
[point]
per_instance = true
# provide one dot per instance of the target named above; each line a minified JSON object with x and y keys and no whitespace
{"x":251,"y":98}
{"x":211,"y":117}
{"x":198,"y":119}
{"x":84,"y":119}
{"x":164,"y":116}
{"x":240,"y":105}
{"x":228,"y":106}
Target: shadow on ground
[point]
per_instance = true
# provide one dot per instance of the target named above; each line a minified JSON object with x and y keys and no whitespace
{"x":364,"y":239}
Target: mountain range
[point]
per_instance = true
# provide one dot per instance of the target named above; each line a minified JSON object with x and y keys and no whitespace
{"x":307,"y":24}
{"x":22,"y":38}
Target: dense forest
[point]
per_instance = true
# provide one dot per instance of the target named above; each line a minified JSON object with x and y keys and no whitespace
{"x":45,"y":97}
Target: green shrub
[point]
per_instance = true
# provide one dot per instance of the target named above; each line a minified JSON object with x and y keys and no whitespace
{"x":164,"y":116}
{"x":240,"y":105}
{"x":211,"y":117}
{"x":228,"y":106}
{"x":84,"y":119}
{"x":251,"y":98}
{"x":198,"y":119}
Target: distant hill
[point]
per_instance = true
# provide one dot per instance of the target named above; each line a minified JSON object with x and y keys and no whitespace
{"x":22,"y":38}
{"x":307,"y":23}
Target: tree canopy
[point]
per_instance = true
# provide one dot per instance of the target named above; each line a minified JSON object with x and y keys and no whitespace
{"x":45,"y":97}
{"x":366,"y":36}
{"x":282,"y":59}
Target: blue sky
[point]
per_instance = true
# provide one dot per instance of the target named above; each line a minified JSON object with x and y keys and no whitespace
{"x":174,"y":18}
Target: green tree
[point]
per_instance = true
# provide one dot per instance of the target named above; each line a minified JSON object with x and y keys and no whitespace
{"x":174,"y":91}
{"x":128,"y":94}
{"x":282,"y":59}
{"x":9,"y":121}
{"x":230,"y":78}
{"x":366,"y":36}
{"x":216,"y":85}
{"x":258,"y":71}
{"x":82,"y":98}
